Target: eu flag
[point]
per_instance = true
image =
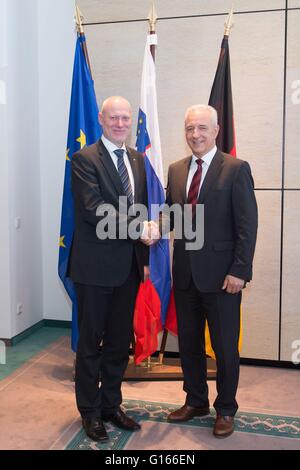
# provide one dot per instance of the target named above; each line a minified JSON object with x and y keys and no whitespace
{"x":84,"y":129}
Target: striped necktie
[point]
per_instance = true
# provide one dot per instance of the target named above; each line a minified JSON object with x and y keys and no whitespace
{"x":124,"y":174}
{"x":194,"y":188}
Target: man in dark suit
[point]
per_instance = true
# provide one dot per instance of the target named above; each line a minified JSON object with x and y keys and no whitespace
{"x":208,"y":281}
{"x":107,"y":271}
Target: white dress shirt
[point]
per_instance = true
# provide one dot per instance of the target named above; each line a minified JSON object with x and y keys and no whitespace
{"x":206,"y":161}
{"x":110,"y":148}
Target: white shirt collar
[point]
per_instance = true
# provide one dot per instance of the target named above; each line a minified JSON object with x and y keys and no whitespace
{"x":111,"y":147}
{"x":207,"y":158}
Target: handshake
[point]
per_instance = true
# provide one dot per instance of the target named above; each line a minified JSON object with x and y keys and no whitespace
{"x":151,"y":233}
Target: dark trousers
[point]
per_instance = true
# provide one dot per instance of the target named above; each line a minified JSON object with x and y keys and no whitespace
{"x":105,"y":323}
{"x":222,"y":312}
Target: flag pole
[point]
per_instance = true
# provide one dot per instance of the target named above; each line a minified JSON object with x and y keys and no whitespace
{"x":152,"y":30}
{"x":80,"y":31}
{"x":152,"y":18}
{"x":229,"y":23}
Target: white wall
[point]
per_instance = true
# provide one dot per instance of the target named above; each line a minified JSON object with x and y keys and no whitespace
{"x":23,"y":155}
{"x":56,"y":54}
{"x":5,"y":269}
{"x":20,"y":269}
{"x":36,"y":58}
{"x":5,"y":291}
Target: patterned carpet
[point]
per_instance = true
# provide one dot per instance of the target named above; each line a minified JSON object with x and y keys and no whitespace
{"x":263,"y":425}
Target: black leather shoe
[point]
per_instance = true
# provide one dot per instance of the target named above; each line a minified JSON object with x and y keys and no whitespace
{"x":121,"y":420}
{"x":187,"y":412}
{"x":95,"y":429}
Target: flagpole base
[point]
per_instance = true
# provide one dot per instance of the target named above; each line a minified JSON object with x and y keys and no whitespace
{"x":170,"y":369}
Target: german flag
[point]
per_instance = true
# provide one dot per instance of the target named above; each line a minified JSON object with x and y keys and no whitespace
{"x":221,"y":99}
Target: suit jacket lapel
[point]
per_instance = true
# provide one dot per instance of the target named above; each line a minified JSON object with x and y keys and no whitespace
{"x":110,"y":168}
{"x":182,"y":178}
{"x":211,"y":175}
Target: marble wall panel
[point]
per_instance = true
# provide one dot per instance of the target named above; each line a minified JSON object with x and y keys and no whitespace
{"x":290,"y":323}
{"x":120,"y":10}
{"x":187,"y":56}
{"x":292,"y":128}
{"x":261,"y":298}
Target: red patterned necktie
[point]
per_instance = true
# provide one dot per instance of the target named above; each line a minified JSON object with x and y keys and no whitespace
{"x":194,"y":188}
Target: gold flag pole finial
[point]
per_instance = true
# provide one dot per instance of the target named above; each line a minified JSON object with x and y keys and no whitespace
{"x":79,"y":18}
{"x":152,"y":19}
{"x":229,"y":23}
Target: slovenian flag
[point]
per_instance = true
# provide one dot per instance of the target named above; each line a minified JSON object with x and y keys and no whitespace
{"x":153,"y":296}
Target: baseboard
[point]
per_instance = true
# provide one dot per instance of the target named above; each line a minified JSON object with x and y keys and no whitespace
{"x":269,"y":363}
{"x":32,"y":329}
{"x":57,"y":323}
{"x":29,"y":331}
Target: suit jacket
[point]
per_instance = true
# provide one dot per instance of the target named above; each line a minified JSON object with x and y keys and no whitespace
{"x":96,"y":181}
{"x":230,"y":223}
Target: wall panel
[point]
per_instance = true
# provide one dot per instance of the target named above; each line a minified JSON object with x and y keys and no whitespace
{"x":261,"y":297}
{"x":116,"y":55}
{"x":292,"y":149}
{"x":186,"y":60}
{"x":117,"y":10}
{"x":186,"y":65}
{"x":293,"y":3}
{"x":291,"y":274}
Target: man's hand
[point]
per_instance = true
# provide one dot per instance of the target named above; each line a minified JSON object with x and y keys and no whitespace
{"x":150,"y":233}
{"x":232,"y":284}
{"x":146,"y":273}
